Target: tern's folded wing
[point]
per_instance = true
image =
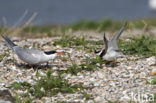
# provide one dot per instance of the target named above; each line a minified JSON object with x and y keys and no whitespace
{"x":30,"y":56}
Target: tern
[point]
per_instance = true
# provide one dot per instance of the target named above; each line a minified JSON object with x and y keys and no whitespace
{"x":111,"y":51}
{"x":32,"y":56}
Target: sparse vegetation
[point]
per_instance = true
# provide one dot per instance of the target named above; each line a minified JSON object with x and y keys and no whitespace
{"x":47,"y":85}
{"x":3,"y":55}
{"x":90,"y":64}
{"x":142,"y":46}
{"x":87,"y":96}
{"x":25,"y":100}
{"x":55,"y":30}
{"x":70,"y":41}
{"x":21,"y":85}
{"x":153,"y":82}
{"x":113,"y":102}
{"x":102,"y":25}
{"x":109,"y":25}
{"x":62,"y":102}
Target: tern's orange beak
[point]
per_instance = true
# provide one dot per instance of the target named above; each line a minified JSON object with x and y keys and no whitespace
{"x":60,"y":53}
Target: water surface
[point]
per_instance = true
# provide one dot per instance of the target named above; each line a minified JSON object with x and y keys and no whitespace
{"x":69,"y":11}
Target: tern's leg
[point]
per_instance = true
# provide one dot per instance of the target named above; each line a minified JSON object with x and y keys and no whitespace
{"x":35,"y":67}
{"x":112,"y":62}
{"x":47,"y":64}
{"x":32,"y":66}
{"x":116,"y":61}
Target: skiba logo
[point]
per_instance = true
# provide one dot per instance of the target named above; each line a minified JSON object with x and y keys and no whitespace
{"x":140,"y":97}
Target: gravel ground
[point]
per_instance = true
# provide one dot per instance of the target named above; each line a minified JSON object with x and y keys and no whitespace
{"x":118,"y":83}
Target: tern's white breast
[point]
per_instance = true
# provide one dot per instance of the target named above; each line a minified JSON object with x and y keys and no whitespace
{"x":111,"y":55}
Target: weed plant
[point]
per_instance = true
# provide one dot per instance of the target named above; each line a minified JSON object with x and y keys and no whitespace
{"x":153,"y":82}
{"x":47,"y":85}
{"x":143,"y":46}
{"x":3,"y":55}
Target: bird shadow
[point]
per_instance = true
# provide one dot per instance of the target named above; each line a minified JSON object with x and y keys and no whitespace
{"x":44,"y":67}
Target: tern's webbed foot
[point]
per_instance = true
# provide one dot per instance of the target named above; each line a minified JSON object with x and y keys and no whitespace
{"x":35,"y":67}
{"x":111,"y":63}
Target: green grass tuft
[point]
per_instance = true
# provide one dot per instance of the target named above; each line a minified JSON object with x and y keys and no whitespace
{"x":153,"y":82}
{"x":68,"y":41}
{"x":62,"y":102}
{"x":3,"y":55}
{"x":25,"y":100}
{"x":20,"y":85}
{"x":143,"y":46}
{"x":113,"y":102}
{"x":87,"y":96}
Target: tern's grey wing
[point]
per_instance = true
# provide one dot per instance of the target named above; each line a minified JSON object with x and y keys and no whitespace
{"x":113,"y":43}
{"x":30,"y":56}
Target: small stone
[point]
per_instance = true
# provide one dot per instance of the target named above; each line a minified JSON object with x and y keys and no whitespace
{"x":90,"y":101}
{"x":6,"y":97}
{"x":13,"y":67}
{"x":151,"y":60}
{"x":47,"y":100}
{"x":153,"y":72}
{"x":142,"y":75}
{"x":100,"y":75}
{"x":92,"y":80}
{"x":97,"y":99}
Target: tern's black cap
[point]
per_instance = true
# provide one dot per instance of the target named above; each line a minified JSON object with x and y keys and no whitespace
{"x":50,"y":52}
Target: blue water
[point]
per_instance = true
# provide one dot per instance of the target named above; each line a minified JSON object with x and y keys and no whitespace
{"x":69,"y":11}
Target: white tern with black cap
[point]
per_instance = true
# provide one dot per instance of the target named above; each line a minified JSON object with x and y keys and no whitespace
{"x":31,"y":56}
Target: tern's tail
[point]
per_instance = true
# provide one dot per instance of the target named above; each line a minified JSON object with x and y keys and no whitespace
{"x":11,"y":44}
{"x":120,"y":32}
